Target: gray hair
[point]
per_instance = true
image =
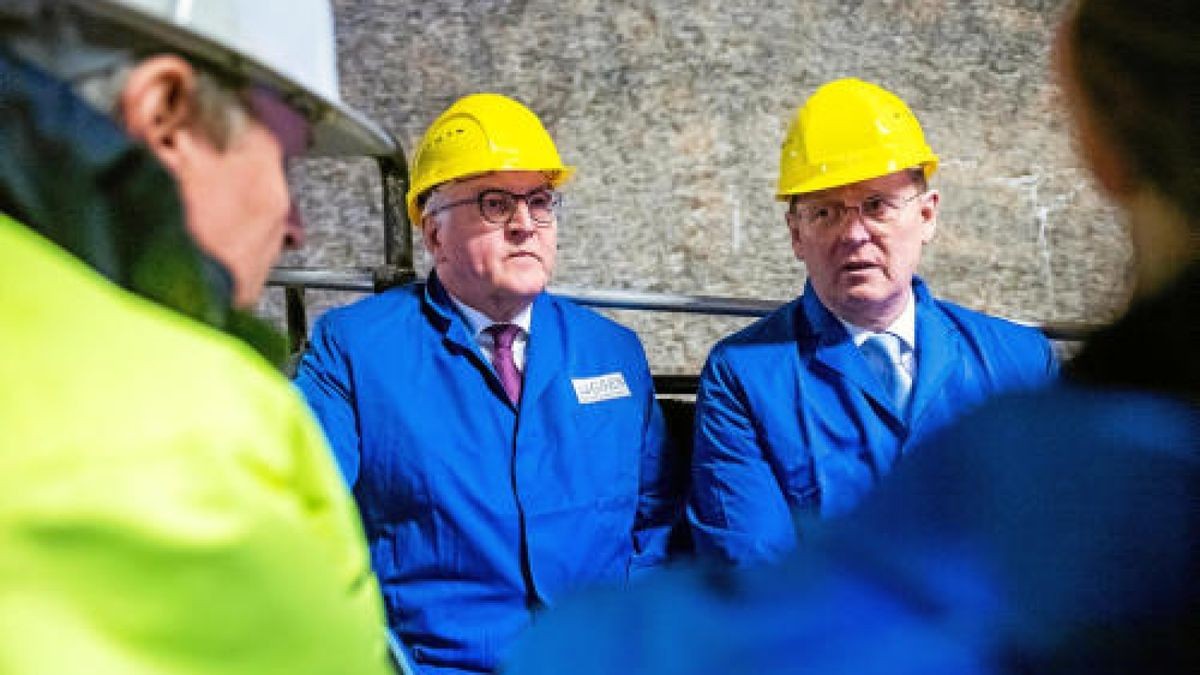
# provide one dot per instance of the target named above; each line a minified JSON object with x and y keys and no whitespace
{"x":98,"y":70}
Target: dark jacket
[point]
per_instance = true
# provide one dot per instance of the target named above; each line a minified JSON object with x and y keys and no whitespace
{"x":1047,"y":532}
{"x":71,"y":175}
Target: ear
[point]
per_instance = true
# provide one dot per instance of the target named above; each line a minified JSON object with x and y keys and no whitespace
{"x":929,"y":211}
{"x":430,"y":235}
{"x":796,"y":235}
{"x":157,"y":105}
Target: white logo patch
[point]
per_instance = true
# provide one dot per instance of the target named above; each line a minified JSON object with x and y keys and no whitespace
{"x":600,"y":388}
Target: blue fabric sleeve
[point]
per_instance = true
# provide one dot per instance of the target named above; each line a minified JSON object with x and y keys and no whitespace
{"x":323,"y":379}
{"x":737,"y":510}
{"x":660,"y":489}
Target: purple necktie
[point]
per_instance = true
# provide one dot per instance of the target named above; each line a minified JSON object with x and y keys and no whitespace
{"x":503,"y":335}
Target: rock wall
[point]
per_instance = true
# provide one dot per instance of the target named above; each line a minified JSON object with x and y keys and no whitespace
{"x":674,"y":112}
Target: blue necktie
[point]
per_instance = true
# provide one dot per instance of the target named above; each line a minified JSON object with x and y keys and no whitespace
{"x":882,"y":352}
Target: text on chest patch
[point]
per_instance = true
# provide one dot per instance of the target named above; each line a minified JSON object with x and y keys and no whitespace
{"x":600,"y":388}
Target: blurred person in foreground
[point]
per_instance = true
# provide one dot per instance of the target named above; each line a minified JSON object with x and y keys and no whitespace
{"x":804,"y":411}
{"x":1048,"y":532}
{"x":167,"y":503}
{"x":504,"y":444}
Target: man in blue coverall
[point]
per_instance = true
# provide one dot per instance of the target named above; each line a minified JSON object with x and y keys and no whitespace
{"x":1048,"y":532}
{"x":806,"y":409}
{"x":504,"y":445}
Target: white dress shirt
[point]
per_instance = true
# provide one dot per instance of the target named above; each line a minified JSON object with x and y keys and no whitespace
{"x":478,"y":323}
{"x":904,"y":327}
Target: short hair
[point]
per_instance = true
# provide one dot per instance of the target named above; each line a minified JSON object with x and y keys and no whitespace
{"x":1138,"y":65}
{"x":918,"y":177}
{"x":221,"y":108}
{"x":916,"y":173}
{"x":423,"y":199}
{"x":96,"y":59}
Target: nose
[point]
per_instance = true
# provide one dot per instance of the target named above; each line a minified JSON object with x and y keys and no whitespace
{"x":293,"y":231}
{"x":854,"y":225}
{"x":522,"y":219}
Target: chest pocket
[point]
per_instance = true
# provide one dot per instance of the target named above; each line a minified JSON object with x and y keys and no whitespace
{"x":604,"y":405}
{"x":605,"y":445}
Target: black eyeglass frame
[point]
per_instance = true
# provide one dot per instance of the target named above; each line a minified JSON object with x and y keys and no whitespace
{"x":511,"y":211}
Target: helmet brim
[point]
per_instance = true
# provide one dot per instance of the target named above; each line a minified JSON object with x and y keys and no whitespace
{"x":561,"y":175}
{"x":337,"y":129}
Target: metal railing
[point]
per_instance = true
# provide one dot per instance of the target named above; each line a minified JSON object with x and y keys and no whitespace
{"x":397,"y":268}
{"x":367,"y":279}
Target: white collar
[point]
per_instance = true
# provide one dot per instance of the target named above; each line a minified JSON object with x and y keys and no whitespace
{"x":904,"y":327}
{"x":478,"y":322}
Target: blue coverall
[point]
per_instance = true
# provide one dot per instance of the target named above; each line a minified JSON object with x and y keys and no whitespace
{"x":789,"y":417}
{"x":479,"y":513}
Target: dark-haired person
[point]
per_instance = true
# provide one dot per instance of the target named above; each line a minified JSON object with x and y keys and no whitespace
{"x":1048,"y":532}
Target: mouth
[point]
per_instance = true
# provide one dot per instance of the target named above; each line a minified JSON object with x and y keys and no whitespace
{"x":524,"y":255}
{"x":852,"y":267}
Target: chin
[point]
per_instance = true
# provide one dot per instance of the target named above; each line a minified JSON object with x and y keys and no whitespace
{"x":530,"y":279}
{"x":857,"y":296}
{"x":872,"y":297}
{"x":528,"y":290}
{"x":874,"y":287}
{"x":246,"y":298}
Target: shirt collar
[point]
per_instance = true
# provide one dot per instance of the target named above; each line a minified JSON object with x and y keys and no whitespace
{"x":904,"y":327}
{"x":478,"y":322}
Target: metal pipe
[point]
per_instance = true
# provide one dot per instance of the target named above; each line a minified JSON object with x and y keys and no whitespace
{"x":297,"y":319}
{"x":397,"y":265}
{"x":328,"y":278}
{"x":363,"y":279}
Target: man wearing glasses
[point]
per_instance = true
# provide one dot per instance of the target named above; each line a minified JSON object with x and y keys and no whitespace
{"x":504,"y":445}
{"x":803,"y":411}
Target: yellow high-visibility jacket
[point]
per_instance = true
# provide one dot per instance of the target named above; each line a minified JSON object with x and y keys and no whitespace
{"x":167,"y":505}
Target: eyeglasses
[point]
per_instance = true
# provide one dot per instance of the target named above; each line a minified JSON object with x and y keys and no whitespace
{"x":285,"y":121}
{"x":877,"y":209}
{"x":499,"y":206}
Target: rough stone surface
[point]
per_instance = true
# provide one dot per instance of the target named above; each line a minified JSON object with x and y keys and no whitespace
{"x":674,"y":112}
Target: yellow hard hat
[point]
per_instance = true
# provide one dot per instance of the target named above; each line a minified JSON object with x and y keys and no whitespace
{"x":478,"y":134}
{"x":850,"y":131}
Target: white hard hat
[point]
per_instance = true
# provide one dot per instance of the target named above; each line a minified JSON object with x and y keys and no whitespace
{"x":287,"y":45}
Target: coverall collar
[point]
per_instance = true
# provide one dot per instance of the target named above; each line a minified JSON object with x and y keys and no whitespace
{"x":836,"y":351}
{"x":544,"y":355}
